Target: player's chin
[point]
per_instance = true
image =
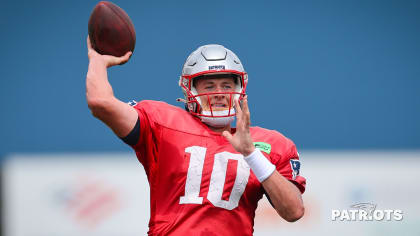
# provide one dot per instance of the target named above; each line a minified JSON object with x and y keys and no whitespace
{"x":214,"y":108}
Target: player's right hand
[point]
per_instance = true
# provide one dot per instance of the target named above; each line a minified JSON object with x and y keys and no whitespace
{"x":108,"y":60}
{"x":241,"y":140}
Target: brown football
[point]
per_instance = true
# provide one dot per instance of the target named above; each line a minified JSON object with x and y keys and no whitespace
{"x":111,"y":31}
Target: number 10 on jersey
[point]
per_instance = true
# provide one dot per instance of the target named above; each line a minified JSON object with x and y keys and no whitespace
{"x":217,"y":180}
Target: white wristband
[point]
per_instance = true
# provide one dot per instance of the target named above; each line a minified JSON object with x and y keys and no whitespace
{"x":260,"y":165}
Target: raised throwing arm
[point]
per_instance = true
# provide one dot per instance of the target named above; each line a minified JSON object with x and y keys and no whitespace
{"x":119,"y":116}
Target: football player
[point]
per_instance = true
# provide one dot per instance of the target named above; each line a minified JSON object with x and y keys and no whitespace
{"x":205,"y":177}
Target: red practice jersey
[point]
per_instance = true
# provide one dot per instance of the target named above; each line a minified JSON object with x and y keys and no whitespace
{"x":199,"y":184}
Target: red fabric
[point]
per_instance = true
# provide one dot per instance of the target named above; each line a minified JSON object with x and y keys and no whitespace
{"x":165,"y":134}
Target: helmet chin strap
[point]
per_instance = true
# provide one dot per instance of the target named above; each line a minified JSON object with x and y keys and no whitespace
{"x":218,"y":122}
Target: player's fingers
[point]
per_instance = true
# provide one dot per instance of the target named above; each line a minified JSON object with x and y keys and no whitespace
{"x":227,"y":135}
{"x":112,"y":60}
{"x":124,"y":58}
{"x":245,"y":111}
{"x":239,"y":124}
{"x":128,"y":55}
{"x":239,"y":116}
{"x":238,"y":107}
{"x":245,"y":108}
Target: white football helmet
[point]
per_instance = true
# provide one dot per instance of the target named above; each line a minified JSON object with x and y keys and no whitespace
{"x":212,"y":59}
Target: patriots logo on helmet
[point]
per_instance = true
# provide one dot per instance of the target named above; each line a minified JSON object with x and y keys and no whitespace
{"x":218,"y":67}
{"x":295,"y":165}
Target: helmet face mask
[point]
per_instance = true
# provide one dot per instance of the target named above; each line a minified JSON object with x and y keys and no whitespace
{"x":212,"y":61}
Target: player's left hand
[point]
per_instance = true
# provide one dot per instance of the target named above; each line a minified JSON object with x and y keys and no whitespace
{"x":241,"y":140}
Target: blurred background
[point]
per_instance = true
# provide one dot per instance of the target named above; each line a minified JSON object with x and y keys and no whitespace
{"x":340,"y":78}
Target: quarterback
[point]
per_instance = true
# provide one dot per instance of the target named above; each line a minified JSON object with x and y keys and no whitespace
{"x":205,"y":176}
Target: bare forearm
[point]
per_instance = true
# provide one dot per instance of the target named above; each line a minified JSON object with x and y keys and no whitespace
{"x":285,"y":197}
{"x":119,"y":116}
{"x":97,"y":85}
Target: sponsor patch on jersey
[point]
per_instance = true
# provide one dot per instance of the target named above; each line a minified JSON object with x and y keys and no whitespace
{"x":295,"y":166}
{"x":132,"y":103}
{"x":217,"y":67}
{"x":265,"y":147}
